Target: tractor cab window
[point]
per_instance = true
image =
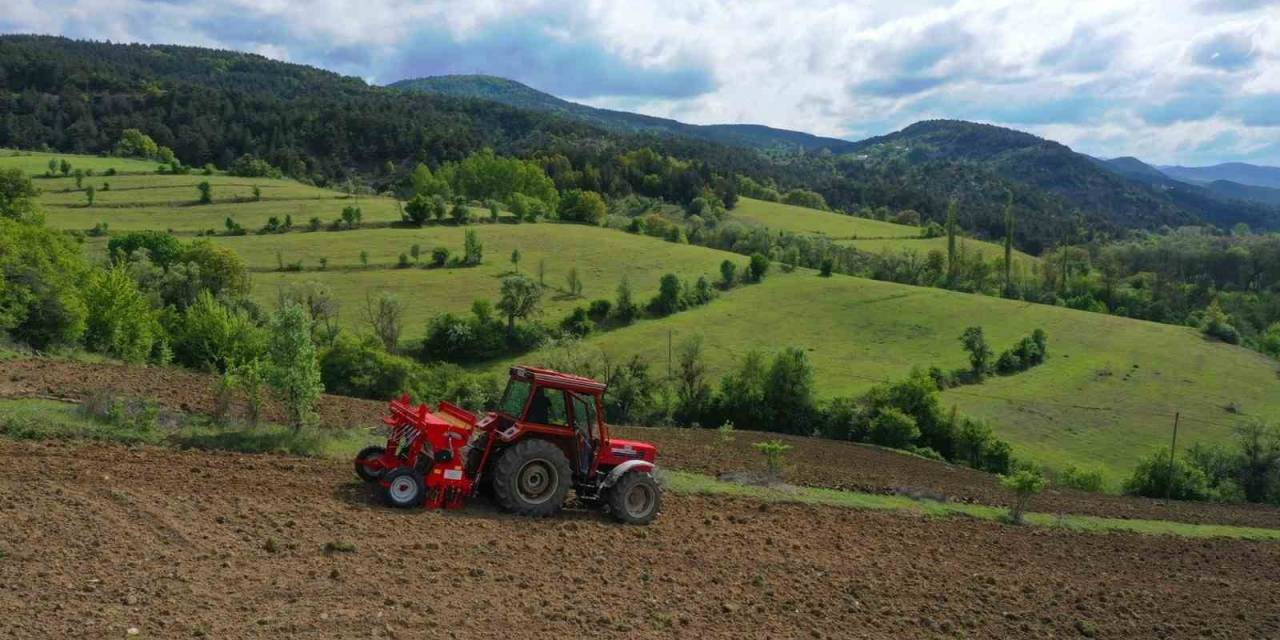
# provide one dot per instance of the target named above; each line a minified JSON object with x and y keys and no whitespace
{"x":584,"y":416}
{"x":547,"y":407}
{"x":513,"y":398}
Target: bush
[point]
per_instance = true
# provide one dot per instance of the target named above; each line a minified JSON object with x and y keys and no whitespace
{"x":577,"y":323}
{"x":758,"y":267}
{"x":293,"y":369}
{"x":1152,"y":478}
{"x":1217,"y":324}
{"x":1081,"y":479}
{"x":361,"y":368}
{"x":439,"y":256}
{"x":893,"y":428}
{"x":210,"y":336}
{"x":599,"y":310}
{"x":41,"y":272}
{"x":728,"y":274}
{"x":120,"y":320}
{"x":773,"y":451}
{"x":668,"y":300}
{"x":1024,"y":484}
{"x":251,"y":166}
{"x":162,"y":248}
{"x":583,"y":206}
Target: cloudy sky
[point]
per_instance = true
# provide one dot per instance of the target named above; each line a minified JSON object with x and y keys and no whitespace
{"x":1189,"y":82}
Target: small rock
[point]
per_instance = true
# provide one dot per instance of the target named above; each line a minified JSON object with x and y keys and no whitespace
{"x":132,"y":631}
{"x":729,"y":607}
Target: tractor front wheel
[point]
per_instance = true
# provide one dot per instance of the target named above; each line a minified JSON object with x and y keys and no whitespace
{"x":532,"y":478}
{"x":404,"y":488}
{"x":635,"y":498}
{"x":366,"y":454}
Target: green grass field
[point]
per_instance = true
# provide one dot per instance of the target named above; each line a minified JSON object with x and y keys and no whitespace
{"x":36,"y":163}
{"x":1106,"y":395}
{"x":922,"y":246}
{"x":785,"y":217}
{"x":602,"y":257}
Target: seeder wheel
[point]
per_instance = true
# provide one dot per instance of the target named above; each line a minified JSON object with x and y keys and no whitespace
{"x":369,"y":453}
{"x":404,"y":488}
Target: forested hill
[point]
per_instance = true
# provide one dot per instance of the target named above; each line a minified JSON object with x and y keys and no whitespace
{"x":215,"y":106}
{"x":515,"y":94}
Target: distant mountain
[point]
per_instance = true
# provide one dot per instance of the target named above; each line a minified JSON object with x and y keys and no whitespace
{"x":522,"y":96}
{"x":1229,"y":189}
{"x":1238,"y":172}
{"x":1066,"y":188}
{"x":1222,"y":191}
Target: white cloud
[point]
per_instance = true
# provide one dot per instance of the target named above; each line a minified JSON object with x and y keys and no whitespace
{"x":1179,"y":81}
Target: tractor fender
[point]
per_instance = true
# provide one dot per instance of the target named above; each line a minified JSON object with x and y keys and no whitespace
{"x":631,"y":465}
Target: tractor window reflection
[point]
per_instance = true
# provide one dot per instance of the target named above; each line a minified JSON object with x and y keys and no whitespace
{"x":513,"y":400}
{"x":547,"y":407}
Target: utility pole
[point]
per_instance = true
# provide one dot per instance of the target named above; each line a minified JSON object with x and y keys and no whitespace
{"x":1173,"y":446}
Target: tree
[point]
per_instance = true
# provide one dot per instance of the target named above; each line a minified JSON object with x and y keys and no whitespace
{"x":1024,"y":484}
{"x":826,"y":266}
{"x":953,"y":266}
{"x":668,"y":299}
{"x":439,"y":256}
{"x":574,"y":282}
{"x":89,"y":193}
{"x":773,"y":451}
{"x":979,"y":352}
{"x":294,"y":370}
{"x":352,"y":215}
{"x":136,"y":144}
{"x":788,"y":393}
{"x":895,"y":429}
{"x":473,"y":250}
{"x":53,"y":167}
{"x":625,"y":309}
{"x":461,"y":213}
{"x":41,"y":275}
{"x":728,"y":271}
{"x":65,"y":167}
{"x":364,"y":258}
{"x":1259,"y":459}
{"x":542,"y":272}
{"x":758,"y":267}
{"x":515,"y":260}
{"x":419,"y":209}
{"x":385,"y":316}
{"x":693,"y":393}
{"x":79,"y":174}
{"x":210,"y":336}
{"x":519,"y":299}
{"x":1008,"y":243}
{"x":120,"y":321}
{"x":416,"y":252}
{"x":17,"y":195}
{"x":583,"y":206}
{"x":206,"y":193}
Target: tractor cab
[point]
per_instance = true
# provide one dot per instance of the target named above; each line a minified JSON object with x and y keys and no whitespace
{"x":569,"y":410}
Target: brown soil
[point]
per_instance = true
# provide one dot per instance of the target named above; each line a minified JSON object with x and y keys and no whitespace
{"x":812,"y":462}
{"x":100,"y":539}
{"x":846,"y":465}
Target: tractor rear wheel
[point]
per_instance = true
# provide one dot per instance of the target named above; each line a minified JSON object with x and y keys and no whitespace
{"x":405,"y":488}
{"x":532,"y":478}
{"x":635,"y":498}
{"x":369,"y":453}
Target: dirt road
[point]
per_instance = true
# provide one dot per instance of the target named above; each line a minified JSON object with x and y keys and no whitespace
{"x":100,"y":539}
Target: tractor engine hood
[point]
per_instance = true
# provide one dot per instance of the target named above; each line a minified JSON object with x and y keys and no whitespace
{"x":618,"y":451}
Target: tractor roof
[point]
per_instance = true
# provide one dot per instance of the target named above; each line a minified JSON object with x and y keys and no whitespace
{"x":557,"y":379}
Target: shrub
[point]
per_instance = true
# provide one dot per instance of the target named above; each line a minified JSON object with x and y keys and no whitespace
{"x":979,"y":353}
{"x":206,"y":193}
{"x":162,"y":248}
{"x":773,"y":451}
{"x":41,"y":272}
{"x":758,"y":267}
{"x":625,"y":310}
{"x":361,"y":368}
{"x":293,"y":369}
{"x":599,"y":310}
{"x":1217,"y":324}
{"x":893,"y":428}
{"x":728,"y":273}
{"x":1081,"y":479}
{"x":439,"y":256}
{"x":583,"y":206}
{"x":404,"y":262}
{"x":251,"y":166}
{"x":211,"y":336}
{"x":1024,"y":484}
{"x":668,"y":299}
{"x":473,"y":250}
{"x":1154,"y":477}
{"x":826,"y":266}
{"x":577,"y":323}
{"x":120,"y":320}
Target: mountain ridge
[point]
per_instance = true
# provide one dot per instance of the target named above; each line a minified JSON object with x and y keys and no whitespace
{"x":517,"y":94}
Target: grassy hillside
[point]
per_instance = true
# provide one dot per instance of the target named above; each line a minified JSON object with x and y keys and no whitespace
{"x":785,"y":217}
{"x":1105,"y":396}
{"x":601,"y":257}
{"x":36,"y":163}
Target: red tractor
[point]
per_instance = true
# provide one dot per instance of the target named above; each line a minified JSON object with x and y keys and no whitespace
{"x":547,"y":436}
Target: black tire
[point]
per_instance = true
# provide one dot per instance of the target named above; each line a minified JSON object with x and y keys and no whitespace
{"x":405,"y":488}
{"x":365,"y":454}
{"x":635,"y":498}
{"x":532,"y":478}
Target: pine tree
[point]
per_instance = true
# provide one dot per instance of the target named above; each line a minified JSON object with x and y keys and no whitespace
{"x":1008,"y":243}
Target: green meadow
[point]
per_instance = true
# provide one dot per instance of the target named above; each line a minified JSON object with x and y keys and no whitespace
{"x":1106,"y":395}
